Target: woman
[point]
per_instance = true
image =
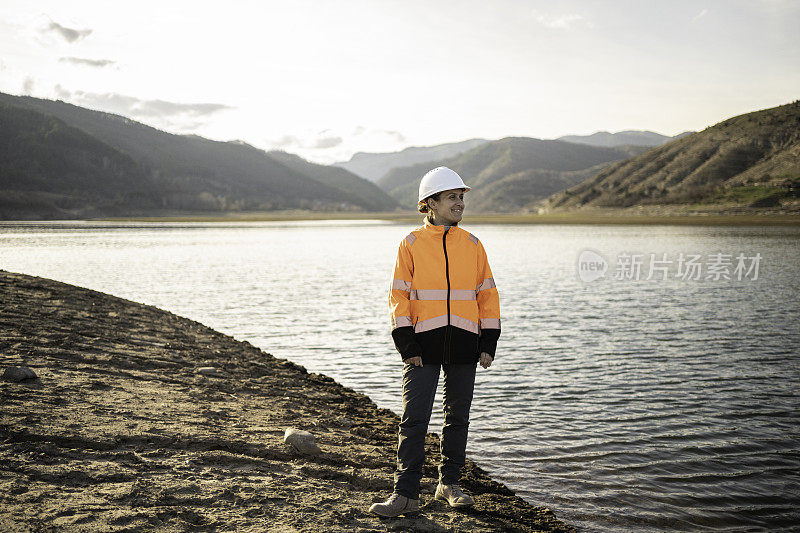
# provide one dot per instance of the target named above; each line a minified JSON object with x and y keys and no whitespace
{"x":445,"y":317}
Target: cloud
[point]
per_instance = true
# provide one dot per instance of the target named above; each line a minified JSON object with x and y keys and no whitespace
{"x":98,"y":63}
{"x":287,"y":141}
{"x":330,"y":145}
{"x":159,"y":108}
{"x":561,"y":22}
{"x":27,"y":86}
{"x":327,"y":142}
{"x":397,"y":135}
{"x":321,"y":142}
{"x":132,"y":106}
{"x":700,"y":15}
{"x":378,"y":133}
{"x":175,"y":116}
{"x":69,"y":34}
{"x":191,"y":126}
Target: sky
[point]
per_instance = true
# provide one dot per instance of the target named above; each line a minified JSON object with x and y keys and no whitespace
{"x":327,"y":79}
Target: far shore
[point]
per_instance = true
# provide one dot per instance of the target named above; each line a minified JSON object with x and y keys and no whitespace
{"x":600,"y":216}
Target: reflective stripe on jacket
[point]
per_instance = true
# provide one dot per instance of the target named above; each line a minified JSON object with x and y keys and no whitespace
{"x":443,"y":300}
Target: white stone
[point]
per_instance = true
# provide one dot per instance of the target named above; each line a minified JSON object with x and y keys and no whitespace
{"x":208,"y":371}
{"x":302,"y":441}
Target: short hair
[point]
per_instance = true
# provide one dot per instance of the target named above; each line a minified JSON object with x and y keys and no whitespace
{"x":422,"y":205}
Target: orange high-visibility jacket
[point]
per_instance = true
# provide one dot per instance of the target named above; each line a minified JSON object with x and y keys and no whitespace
{"x":443,"y":300}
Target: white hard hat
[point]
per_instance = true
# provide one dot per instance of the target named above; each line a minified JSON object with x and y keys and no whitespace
{"x":439,"y":179}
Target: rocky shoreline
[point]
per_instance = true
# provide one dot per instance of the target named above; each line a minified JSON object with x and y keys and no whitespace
{"x":140,"y":420}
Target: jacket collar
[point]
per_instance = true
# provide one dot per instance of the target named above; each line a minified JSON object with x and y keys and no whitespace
{"x":434,"y":229}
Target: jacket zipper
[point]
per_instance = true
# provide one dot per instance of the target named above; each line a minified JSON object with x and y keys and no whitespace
{"x":446,"y":357}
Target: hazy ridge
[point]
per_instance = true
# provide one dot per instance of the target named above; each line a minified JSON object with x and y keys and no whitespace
{"x":168,"y":173}
{"x":373,"y":166}
{"x":360,"y":190}
{"x":511,"y":174}
{"x":622,"y":138}
{"x":58,"y":160}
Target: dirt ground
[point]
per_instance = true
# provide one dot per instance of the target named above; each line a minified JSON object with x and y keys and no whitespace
{"x":119,"y":432}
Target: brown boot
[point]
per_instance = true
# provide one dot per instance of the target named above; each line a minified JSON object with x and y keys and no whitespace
{"x":395,"y":506}
{"x":453,"y":495}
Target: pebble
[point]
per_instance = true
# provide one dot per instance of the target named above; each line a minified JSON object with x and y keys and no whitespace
{"x":18,"y":373}
{"x":302,"y":441}
{"x":343,"y":422}
{"x":208,"y":371}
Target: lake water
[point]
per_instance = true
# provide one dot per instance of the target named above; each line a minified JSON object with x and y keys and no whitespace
{"x":622,"y":404}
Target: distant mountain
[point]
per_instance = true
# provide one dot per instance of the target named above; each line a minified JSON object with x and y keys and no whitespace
{"x":372,"y":166}
{"x":511,"y":174}
{"x":174,"y":173}
{"x":367,"y":194}
{"x":748,"y":160}
{"x":623,"y":138}
{"x":48,"y":169}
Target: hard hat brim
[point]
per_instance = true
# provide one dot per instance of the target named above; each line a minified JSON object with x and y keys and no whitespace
{"x":466,"y":189}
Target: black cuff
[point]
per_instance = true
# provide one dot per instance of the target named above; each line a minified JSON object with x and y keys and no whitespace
{"x":405,"y":342}
{"x":488,"y":341}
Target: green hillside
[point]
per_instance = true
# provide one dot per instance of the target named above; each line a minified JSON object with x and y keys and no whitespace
{"x":512,"y":173}
{"x":751,"y":160}
{"x":188,"y":173}
{"x":49,"y":169}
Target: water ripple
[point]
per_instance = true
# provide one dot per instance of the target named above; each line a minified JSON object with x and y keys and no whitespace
{"x":622,"y":405}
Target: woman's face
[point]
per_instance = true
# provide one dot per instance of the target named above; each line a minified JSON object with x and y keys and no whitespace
{"x":450,"y":207}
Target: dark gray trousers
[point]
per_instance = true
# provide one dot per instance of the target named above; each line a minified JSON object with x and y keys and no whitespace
{"x":419,"y":389}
